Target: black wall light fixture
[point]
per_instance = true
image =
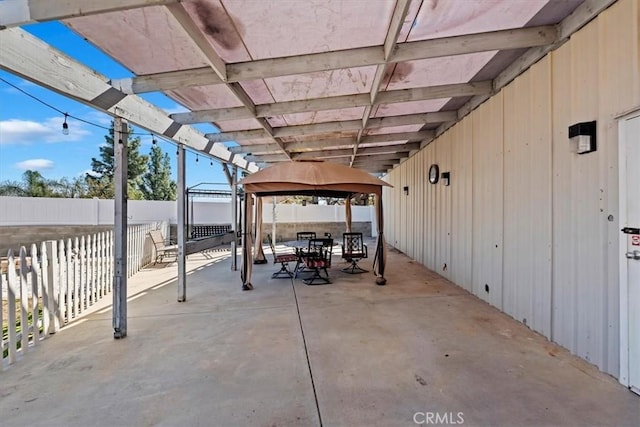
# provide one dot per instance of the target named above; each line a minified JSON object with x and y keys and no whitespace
{"x":406,"y":190}
{"x":446,"y":178}
{"x":583,"y":137}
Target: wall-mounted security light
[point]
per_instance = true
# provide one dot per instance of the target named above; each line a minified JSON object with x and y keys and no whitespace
{"x":445,"y":177}
{"x":583,"y":137}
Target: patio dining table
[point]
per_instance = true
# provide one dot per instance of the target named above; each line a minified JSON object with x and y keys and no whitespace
{"x":299,"y":246}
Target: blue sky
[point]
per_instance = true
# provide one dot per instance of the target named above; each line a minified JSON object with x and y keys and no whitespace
{"x":31,"y":132}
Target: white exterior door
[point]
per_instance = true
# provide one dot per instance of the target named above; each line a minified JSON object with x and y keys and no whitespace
{"x":630,"y":244}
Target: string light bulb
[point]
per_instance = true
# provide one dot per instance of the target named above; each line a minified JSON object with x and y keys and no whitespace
{"x":65,"y":126}
{"x":153,"y":140}
{"x":196,"y":157}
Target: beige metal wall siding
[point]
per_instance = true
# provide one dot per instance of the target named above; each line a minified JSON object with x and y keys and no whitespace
{"x":420,"y":215}
{"x":461,"y":202}
{"x":443,"y":208}
{"x":432,"y":211}
{"x":527,"y":198}
{"x":487,"y":205}
{"x":525,"y":215}
{"x":622,"y":80}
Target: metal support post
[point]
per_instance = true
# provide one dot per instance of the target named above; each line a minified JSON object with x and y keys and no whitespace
{"x":120,"y":139}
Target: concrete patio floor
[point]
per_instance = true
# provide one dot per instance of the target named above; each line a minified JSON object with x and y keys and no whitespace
{"x":286,"y":354}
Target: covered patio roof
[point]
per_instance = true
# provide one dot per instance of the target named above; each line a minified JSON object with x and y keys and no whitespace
{"x":359,"y":83}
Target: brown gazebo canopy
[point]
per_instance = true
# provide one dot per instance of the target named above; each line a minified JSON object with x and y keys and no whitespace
{"x":314,"y":178}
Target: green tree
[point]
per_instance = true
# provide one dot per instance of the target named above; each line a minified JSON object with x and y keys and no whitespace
{"x":156,"y":182}
{"x":35,"y":185}
{"x":100,"y":182}
{"x":70,"y":188}
{"x":12,"y":188}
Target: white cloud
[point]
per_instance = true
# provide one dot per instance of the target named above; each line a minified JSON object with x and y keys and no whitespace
{"x":99,"y":118}
{"x":35,"y":164}
{"x":88,"y":172}
{"x":16,"y":131}
{"x":176,"y":109}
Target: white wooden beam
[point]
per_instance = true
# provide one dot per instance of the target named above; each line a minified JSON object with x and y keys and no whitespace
{"x":409,"y":51}
{"x":25,"y":55}
{"x":336,"y":102}
{"x":256,"y":149}
{"x":435,"y":92}
{"x":213,"y":115}
{"x":347,"y":152}
{"x":169,"y":80}
{"x":397,"y":19}
{"x":321,"y":144}
{"x":198,"y":38}
{"x":581,"y":16}
{"x":268,"y":158}
{"x":480,"y":42}
{"x":14,"y":13}
{"x":359,"y":57}
{"x":217,"y":64}
{"x":314,"y":104}
{"x":329,"y":127}
{"x":411,"y":119}
{"x":242,"y":135}
{"x":401,"y":136}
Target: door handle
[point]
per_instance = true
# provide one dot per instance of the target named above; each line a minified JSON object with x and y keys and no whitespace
{"x":633,"y":254}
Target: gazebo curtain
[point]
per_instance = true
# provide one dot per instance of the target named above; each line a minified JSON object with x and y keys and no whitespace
{"x":347,"y":211}
{"x":245,"y":272}
{"x":259,"y":257}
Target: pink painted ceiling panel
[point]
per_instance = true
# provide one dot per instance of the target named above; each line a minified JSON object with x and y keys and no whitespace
{"x":325,"y":116}
{"x":321,"y":84}
{"x":149,"y":40}
{"x":231,"y":125}
{"x":205,"y":97}
{"x":394,"y":146}
{"x":222,"y":30}
{"x":438,"y":71}
{"x":413,"y":107}
{"x":394,"y":129}
{"x":444,"y":18}
{"x":258,"y":91}
{"x":292,"y":27}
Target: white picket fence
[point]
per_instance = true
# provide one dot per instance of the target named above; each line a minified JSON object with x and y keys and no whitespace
{"x":58,"y":282}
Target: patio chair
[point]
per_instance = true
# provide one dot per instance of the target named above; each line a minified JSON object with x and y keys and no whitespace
{"x":302,"y":235}
{"x":318,"y":260}
{"x":305,"y":235}
{"x":162,"y":247}
{"x":354,"y":250}
{"x":284,"y":258}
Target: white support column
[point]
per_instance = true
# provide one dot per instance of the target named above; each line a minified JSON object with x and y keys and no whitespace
{"x":120,"y":138}
{"x":182,"y":241}
{"x":234,"y":217}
